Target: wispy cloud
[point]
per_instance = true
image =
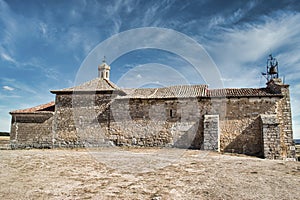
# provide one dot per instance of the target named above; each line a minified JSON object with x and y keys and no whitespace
{"x":250,"y":43}
{"x":43,"y":28}
{"x":8,"y":88}
{"x":31,"y":64}
{"x":5,"y":97}
{"x":163,"y":39}
{"x":16,"y":85}
{"x":235,"y":16}
{"x":7,"y":57}
{"x":49,"y":42}
{"x":152,"y":73}
{"x":241,"y":51}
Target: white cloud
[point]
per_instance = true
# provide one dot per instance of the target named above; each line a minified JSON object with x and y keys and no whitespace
{"x":7,"y":57}
{"x":43,"y":28}
{"x":241,"y":52}
{"x":19,"y":85}
{"x":8,"y":88}
{"x":221,"y":19}
{"x":32,"y":63}
{"x":248,"y":45}
{"x":151,"y":73}
{"x":226,"y":79}
{"x":155,"y":38}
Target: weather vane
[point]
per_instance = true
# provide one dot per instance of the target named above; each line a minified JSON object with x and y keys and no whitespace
{"x":272,"y":68}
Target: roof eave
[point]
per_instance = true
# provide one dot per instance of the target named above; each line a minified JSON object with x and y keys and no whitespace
{"x":87,"y":91}
{"x":245,"y":96}
{"x":31,"y":112}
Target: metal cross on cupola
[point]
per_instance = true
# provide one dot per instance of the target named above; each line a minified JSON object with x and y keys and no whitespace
{"x":272,"y":68}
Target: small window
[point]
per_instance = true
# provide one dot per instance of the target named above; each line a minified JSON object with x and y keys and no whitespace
{"x":172,"y":113}
{"x":106,"y":74}
{"x":101,"y":74}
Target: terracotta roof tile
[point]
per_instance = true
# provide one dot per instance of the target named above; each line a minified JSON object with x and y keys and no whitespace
{"x":181,"y":91}
{"x":185,"y":91}
{"x":48,"y":107}
{"x":240,"y":92}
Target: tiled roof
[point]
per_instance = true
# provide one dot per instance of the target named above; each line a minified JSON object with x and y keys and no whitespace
{"x":48,"y":107}
{"x":97,"y":84}
{"x":241,"y":92}
{"x":181,"y":91}
{"x":185,"y":91}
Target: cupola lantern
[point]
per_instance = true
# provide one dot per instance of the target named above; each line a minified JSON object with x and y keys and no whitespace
{"x":104,"y":70}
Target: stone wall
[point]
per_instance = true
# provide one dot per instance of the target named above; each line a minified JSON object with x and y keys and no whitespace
{"x":158,"y":122}
{"x":31,"y":130}
{"x":97,"y":119}
{"x":241,"y":128}
{"x":79,"y":117}
{"x":284,"y":116}
{"x":211,"y":133}
{"x":90,"y":120}
{"x":271,"y":136}
{"x":142,"y":122}
{"x":125,"y":122}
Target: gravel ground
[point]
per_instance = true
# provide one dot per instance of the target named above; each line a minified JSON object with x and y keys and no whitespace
{"x":121,"y":173}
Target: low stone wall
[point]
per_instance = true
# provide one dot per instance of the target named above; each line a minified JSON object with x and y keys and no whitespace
{"x":241,"y":128}
{"x":211,"y":133}
{"x":297,"y":152}
{"x":271,"y":136}
{"x":158,"y":122}
{"x":154,"y":133}
{"x":32,"y":130}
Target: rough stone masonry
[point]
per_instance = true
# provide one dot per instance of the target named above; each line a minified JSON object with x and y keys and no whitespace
{"x":252,"y":121}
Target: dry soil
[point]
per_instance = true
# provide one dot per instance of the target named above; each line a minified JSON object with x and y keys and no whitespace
{"x":120,"y":173}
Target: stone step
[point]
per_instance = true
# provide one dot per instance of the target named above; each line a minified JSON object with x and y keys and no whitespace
{"x":297,"y":148}
{"x":4,"y":143}
{"x":5,"y":146}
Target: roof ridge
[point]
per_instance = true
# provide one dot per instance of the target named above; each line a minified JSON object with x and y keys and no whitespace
{"x":151,"y":95}
{"x":111,"y":85}
{"x":96,"y":84}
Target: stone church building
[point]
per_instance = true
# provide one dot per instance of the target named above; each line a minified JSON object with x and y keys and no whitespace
{"x":252,"y":121}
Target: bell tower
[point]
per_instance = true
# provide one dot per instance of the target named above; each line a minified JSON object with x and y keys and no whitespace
{"x":103,"y":70}
{"x":272,"y":69}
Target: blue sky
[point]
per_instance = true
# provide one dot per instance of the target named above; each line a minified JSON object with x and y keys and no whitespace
{"x":43,"y":43}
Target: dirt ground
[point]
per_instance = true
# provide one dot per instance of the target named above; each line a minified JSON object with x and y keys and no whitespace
{"x":120,"y":173}
{"x":4,"y":138}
